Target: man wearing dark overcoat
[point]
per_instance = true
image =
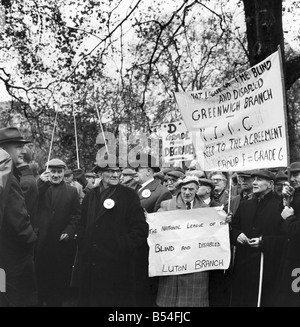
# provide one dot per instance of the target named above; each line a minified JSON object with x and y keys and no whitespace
{"x":289,"y":295}
{"x":257,"y":233}
{"x":58,"y":218}
{"x":112,"y":228}
{"x":17,"y":237}
{"x":151,"y":194}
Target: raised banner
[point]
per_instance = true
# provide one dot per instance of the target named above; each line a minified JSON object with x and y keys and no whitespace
{"x":176,"y":142}
{"x":184,"y":242}
{"x":240,"y":126}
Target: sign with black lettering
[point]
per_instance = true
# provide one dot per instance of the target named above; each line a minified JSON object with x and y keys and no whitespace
{"x":241,"y":125}
{"x":197,"y":240}
{"x":176,"y":142}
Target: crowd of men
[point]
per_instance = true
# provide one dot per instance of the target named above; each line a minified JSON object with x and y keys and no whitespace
{"x":83,"y":235}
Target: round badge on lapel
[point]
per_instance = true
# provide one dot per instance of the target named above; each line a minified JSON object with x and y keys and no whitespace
{"x":146,"y":194}
{"x":109,"y":204}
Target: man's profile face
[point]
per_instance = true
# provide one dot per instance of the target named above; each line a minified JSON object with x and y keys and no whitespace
{"x":56,"y":175}
{"x":142,"y":175}
{"x":16,"y":151}
{"x":188,"y":192}
{"x":261,"y":185}
{"x":295,"y":179}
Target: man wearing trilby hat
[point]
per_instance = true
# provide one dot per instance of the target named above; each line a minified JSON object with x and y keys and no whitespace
{"x":112,"y":228}
{"x":151,"y":194}
{"x":58,"y":217}
{"x":16,"y":233}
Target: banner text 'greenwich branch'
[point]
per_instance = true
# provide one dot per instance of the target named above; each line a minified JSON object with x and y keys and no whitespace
{"x":240,"y":126}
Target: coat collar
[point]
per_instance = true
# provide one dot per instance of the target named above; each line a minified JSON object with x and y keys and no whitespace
{"x":180,"y":204}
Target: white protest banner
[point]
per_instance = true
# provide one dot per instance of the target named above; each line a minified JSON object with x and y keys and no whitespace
{"x":240,"y":126}
{"x":177,"y":142}
{"x":184,"y":242}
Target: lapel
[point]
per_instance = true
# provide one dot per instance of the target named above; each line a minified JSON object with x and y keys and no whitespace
{"x":113,"y":195}
{"x":151,"y":187}
{"x":180,"y":204}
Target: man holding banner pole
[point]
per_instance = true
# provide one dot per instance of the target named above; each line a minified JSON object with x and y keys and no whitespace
{"x":257,"y":228}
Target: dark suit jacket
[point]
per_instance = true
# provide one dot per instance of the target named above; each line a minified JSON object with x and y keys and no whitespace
{"x":16,"y":244}
{"x":30,"y":191}
{"x":158,"y":194}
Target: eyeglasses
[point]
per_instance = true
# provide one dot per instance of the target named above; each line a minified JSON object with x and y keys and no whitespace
{"x":217,"y":180}
{"x":112,"y":171}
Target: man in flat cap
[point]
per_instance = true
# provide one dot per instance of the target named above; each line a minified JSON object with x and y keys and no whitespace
{"x":189,"y":290}
{"x":257,"y":227}
{"x":291,"y":217}
{"x":17,"y":237}
{"x":58,"y":218}
{"x":112,"y":228}
{"x":151,"y":194}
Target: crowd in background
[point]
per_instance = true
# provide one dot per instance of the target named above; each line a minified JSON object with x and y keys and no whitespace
{"x":79,"y":238}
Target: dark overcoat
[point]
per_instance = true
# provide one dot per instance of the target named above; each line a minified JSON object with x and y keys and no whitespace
{"x":31,"y":193}
{"x":146,"y":286}
{"x":58,"y":213}
{"x":291,"y":259}
{"x":108,"y":239}
{"x":17,"y":239}
{"x":257,"y":218}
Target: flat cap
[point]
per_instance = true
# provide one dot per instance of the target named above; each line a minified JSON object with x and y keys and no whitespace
{"x":167,"y":170}
{"x":11,"y":134}
{"x":176,"y":174}
{"x":207,"y":182}
{"x":295,"y":167}
{"x":57,"y":163}
{"x":90,"y":174}
{"x":245,"y":173}
{"x":281,"y":176}
{"x":68,"y":172}
{"x":128,"y":172}
{"x":160,"y":176}
{"x":188,"y":180}
{"x":263,"y":173}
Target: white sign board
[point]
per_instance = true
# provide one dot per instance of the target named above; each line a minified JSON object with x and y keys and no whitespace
{"x":188,"y":241}
{"x":177,"y":142}
{"x":240,"y":126}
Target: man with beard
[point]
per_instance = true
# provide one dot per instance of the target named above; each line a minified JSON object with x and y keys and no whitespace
{"x":58,"y":217}
{"x":112,"y":228}
{"x":17,"y":237}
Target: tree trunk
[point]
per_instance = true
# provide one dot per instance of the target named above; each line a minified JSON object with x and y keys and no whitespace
{"x":264,"y":28}
{"x":265,"y":34}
